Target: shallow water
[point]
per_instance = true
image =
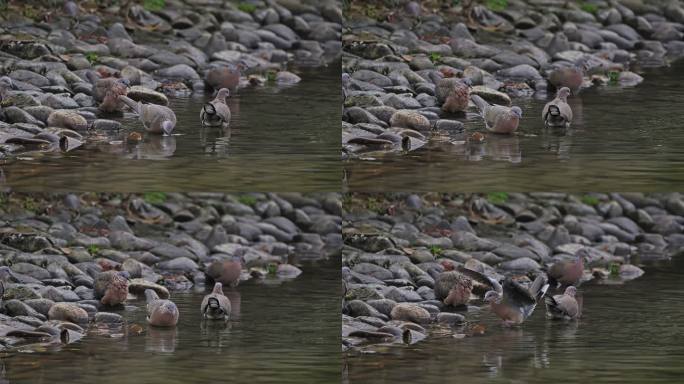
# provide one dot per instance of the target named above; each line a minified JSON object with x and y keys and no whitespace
{"x":622,"y":139}
{"x":280,"y":138}
{"x":628,"y":334}
{"x":280,"y":332}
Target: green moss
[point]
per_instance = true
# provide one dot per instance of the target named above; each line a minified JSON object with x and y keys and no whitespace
{"x":496,"y":5}
{"x":272,"y":268}
{"x":589,"y":7}
{"x":435,"y":57}
{"x":154,"y":5}
{"x":247,"y":7}
{"x":373,"y":204}
{"x":436,"y":251}
{"x":92,"y":57}
{"x":497,"y":197}
{"x":590,"y":200}
{"x":614,"y":269}
{"x":93,"y":249}
{"x":613,"y":77}
{"x":271,"y":75}
{"x":247,"y":200}
{"x":29,"y":204}
{"x":154,"y":197}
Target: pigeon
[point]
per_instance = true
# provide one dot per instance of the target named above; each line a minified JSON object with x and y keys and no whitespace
{"x":566,"y":273}
{"x":106,"y":92}
{"x":160,"y":313}
{"x":216,"y":112}
{"x":226,"y":272}
{"x":571,"y":77}
{"x":225,"y":76}
{"x":498,"y":119}
{"x":216,"y":306}
{"x":453,"y":288}
{"x":155,"y":118}
{"x":515,"y":303}
{"x":557,"y":113}
{"x":111,"y":287}
{"x":563,"y":307}
{"x":453,"y":93}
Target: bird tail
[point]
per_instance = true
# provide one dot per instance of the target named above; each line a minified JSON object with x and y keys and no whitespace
{"x":554,"y":110}
{"x":134,"y":105}
{"x":482,"y":105}
{"x":551,"y":303}
{"x":539,"y":286}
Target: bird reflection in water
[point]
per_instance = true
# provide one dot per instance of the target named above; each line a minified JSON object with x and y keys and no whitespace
{"x":496,"y":147}
{"x":152,"y":147}
{"x":160,"y":339}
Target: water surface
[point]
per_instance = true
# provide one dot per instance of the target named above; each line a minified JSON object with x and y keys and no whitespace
{"x":622,"y":139}
{"x":280,"y":138}
{"x":628,"y":334}
{"x":281,"y":332}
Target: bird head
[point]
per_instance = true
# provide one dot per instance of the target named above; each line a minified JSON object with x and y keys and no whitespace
{"x":223,"y":94}
{"x":563,"y":93}
{"x":492,"y":296}
{"x":571,"y":291}
{"x":218,"y":288}
{"x":167,"y":127}
{"x":517,"y":111}
{"x":125,"y":82}
{"x":467,"y":81}
{"x":125,"y":275}
{"x":6,"y":82}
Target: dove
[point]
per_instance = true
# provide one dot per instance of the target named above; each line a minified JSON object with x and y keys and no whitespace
{"x":557,"y":112}
{"x":106,"y":92}
{"x":216,"y":306}
{"x":563,"y":307}
{"x":514,"y":303}
{"x":225,"y":76}
{"x":160,"y":313}
{"x":571,"y":77}
{"x":111,"y":287}
{"x":498,"y":119}
{"x":226,"y":272}
{"x":453,"y":93}
{"x":216,"y":112}
{"x":155,"y":118}
{"x":453,"y":288}
{"x":566,"y":273}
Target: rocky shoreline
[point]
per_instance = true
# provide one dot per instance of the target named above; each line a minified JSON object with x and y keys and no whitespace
{"x":162,"y":48}
{"x":53,"y":248}
{"x":397,"y":245}
{"x":394,"y":58}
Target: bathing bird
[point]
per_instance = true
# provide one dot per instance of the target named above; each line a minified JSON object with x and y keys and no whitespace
{"x":160,"y":312}
{"x":563,"y":307}
{"x":565,"y":272}
{"x":216,"y":306}
{"x":498,"y":118}
{"x":155,"y":118}
{"x":557,"y":112}
{"x":107,"y":91}
{"x":111,"y":287}
{"x":453,"y":93}
{"x":216,"y":113}
{"x":514,"y":303}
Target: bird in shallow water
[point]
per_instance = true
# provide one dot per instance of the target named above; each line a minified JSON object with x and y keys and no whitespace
{"x":515,"y":303}
{"x":453,"y":93}
{"x":566,"y":273}
{"x":498,"y":118}
{"x":563,"y":307}
{"x":557,"y":112}
{"x":155,"y":118}
{"x":111,"y":287}
{"x":216,"y":306}
{"x":216,"y":113}
{"x":160,"y":312}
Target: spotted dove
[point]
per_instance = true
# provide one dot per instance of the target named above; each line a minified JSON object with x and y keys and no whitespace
{"x":571,"y":77}
{"x":498,"y":118}
{"x":111,"y":287}
{"x":155,"y":118}
{"x":563,"y":307}
{"x":566,"y":273}
{"x":216,"y":306}
{"x":515,"y":303}
{"x":107,"y":91}
{"x":226,"y":272}
{"x":557,"y":112}
{"x":453,"y":288}
{"x":160,"y":313}
{"x":216,"y":112}
{"x":453,"y":93}
{"x":225,"y":76}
